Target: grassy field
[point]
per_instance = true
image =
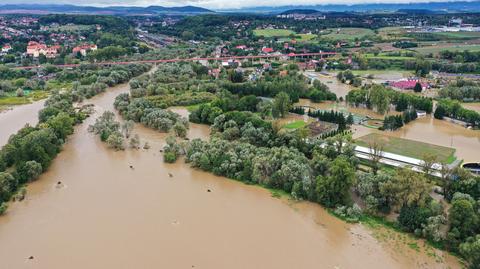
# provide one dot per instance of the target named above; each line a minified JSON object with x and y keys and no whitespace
{"x":409,"y":148}
{"x":392,"y":33}
{"x":386,"y":57}
{"x":295,"y":124}
{"x":347,"y":33}
{"x":273,"y":32}
{"x":459,"y":35}
{"x":299,"y":38}
{"x":72,"y":28}
{"x":13,"y":101}
{"x":437,"y":49}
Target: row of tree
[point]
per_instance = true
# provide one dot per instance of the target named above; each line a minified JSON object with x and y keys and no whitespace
{"x":453,"y":109}
{"x":380,"y":98}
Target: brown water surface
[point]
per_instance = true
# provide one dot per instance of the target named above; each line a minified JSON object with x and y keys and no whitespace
{"x":15,"y":119}
{"x":472,"y":106}
{"x":108,"y":215}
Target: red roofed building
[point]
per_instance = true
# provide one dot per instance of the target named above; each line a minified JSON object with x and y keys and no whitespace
{"x":267,"y":50}
{"x":83,"y":49}
{"x":34,"y":49}
{"x":6,"y":48}
{"x":241,"y":47}
{"x":408,"y":84}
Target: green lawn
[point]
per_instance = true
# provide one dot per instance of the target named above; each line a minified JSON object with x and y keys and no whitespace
{"x":273,"y":32}
{"x":347,"y":33}
{"x":409,"y":148}
{"x":295,"y":125}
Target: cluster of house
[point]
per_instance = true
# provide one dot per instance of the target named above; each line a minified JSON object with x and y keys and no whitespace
{"x":35,"y":49}
{"x":300,"y":16}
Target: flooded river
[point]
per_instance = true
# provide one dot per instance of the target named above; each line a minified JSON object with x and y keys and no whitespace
{"x":15,"y":119}
{"x":108,"y":215}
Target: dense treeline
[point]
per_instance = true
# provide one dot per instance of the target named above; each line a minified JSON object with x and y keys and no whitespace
{"x":332,"y":116}
{"x":461,"y":56}
{"x":294,"y":84}
{"x":461,"y":90}
{"x":109,"y":23}
{"x":31,"y":150}
{"x":380,"y":98}
{"x":394,"y":122}
{"x":142,"y":110}
{"x":325,"y":178}
{"x":453,"y":109}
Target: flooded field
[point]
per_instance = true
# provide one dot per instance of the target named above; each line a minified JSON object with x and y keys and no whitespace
{"x":438,"y":132}
{"x":343,"y":107}
{"x":426,"y":129}
{"x":108,"y":215}
{"x":13,"y":120}
{"x":472,"y":106}
{"x":335,"y":86}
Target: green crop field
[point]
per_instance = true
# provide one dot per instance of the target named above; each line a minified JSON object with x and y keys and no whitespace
{"x":435,"y":49}
{"x":347,"y":33}
{"x":273,"y":32}
{"x":409,"y":148}
{"x":459,"y":35}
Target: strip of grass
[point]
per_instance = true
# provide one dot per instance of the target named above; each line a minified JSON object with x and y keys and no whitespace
{"x":13,"y":101}
{"x":273,"y":32}
{"x":295,"y":125}
{"x":409,"y":148}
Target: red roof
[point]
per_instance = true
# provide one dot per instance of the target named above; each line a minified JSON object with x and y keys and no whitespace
{"x":84,"y":47}
{"x":267,"y":50}
{"x":407,"y":84}
{"x":241,"y":47}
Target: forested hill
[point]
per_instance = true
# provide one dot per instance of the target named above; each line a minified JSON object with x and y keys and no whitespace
{"x":118,"y":10}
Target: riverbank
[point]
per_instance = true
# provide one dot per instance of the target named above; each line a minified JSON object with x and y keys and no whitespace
{"x":108,"y":215}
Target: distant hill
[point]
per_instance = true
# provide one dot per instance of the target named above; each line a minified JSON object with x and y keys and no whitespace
{"x":299,"y":11}
{"x":114,"y":10}
{"x":437,"y":7}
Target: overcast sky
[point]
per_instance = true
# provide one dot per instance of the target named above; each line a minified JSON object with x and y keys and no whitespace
{"x":214,"y":4}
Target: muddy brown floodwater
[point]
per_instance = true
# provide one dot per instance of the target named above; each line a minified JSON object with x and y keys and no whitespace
{"x":107,"y":215}
{"x":15,"y":119}
{"x":426,"y":129}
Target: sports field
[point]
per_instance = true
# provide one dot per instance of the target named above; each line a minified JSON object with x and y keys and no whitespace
{"x":409,"y":148}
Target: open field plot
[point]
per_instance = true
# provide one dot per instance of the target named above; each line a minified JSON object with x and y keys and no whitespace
{"x":346,"y":33}
{"x":273,"y":32}
{"x":392,"y":33}
{"x":459,"y":35}
{"x":409,"y":148}
{"x":300,"y":38}
{"x":72,"y":28}
{"x":437,"y":49}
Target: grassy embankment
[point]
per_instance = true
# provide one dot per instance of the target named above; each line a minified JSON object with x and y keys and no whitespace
{"x":409,"y":148}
